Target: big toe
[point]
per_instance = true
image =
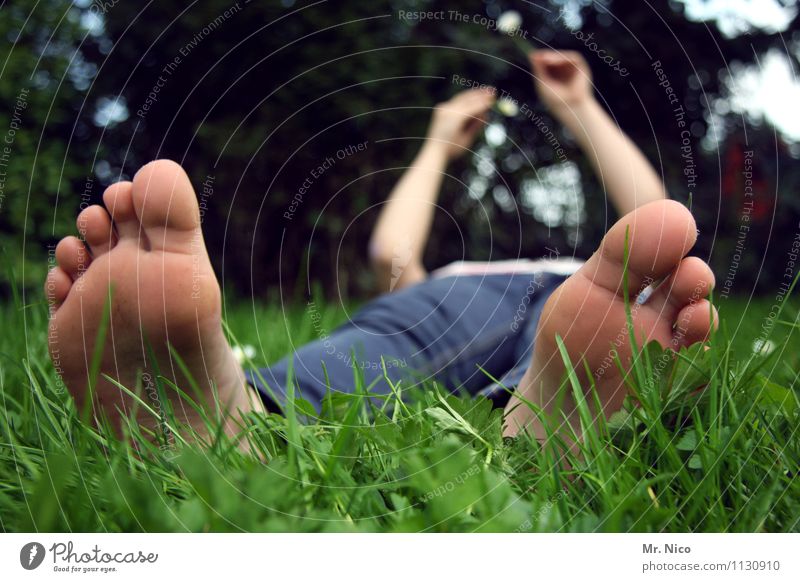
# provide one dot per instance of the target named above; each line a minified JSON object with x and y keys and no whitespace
{"x":655,"y":237}
{"x":166,"y":205}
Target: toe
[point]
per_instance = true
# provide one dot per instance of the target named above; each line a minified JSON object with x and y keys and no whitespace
{"x":72,"y":256}
{"x":118,"y":199}
{"x":658,"y":234}
{"x":94,"y":224}
{"x":56,"y":286}
{"x":694,"y":323}
{"x":166,"y":205}
{"x":691,"y":281}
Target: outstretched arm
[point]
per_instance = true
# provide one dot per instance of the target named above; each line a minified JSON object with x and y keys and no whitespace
{"x":401,"y":233}
{"x":564,"y":84}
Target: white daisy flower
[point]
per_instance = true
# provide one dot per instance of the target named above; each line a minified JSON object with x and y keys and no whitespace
{"x":507,"y":106}
{"x":509,"y":22}
{"x":244,"y":353}
{"x":763,"y":346}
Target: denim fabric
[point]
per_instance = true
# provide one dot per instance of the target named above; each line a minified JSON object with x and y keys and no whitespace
{"x":444,"y":329}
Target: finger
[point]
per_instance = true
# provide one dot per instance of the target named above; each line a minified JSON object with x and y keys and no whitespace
{"x":546,"y":60}
{"x":570,"y":62}
{"x":477,"y":93}
{"x":578,"y":61}
{"x":549,"y":58}
{"x":474,"y":127}
{"x":537,"y":63}
{"x":574,"y":56}
{"x":477,"y":107}
{"x":561,"y":71}
{"x":477,"y":97}
{"x":542,"y":54}
{"x":476,"y":123}
{"x":485,"y":92}
{"x":471,"y":107}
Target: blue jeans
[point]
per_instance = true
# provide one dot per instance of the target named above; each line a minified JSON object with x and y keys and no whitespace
{"x":444,"y":329}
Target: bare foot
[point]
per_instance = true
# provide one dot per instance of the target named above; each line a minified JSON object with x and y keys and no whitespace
{"x":164,"y":292}
{"x":588,"y":312}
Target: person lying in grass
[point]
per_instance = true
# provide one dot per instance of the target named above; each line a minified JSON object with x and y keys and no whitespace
{"x":461,"y":325}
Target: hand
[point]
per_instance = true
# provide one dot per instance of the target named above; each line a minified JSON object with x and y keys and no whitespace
{"x":456,"y":122}
{"x":562,"y":78}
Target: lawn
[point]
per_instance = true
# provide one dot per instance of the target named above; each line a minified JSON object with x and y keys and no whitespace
{"x":724,"y":459}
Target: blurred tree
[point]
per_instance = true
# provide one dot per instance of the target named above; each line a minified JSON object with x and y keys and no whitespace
{"x":42,"y":80}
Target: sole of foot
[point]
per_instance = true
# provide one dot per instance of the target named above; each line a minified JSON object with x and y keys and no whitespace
{"x":143,"y":249}
{"x":588,"y":313}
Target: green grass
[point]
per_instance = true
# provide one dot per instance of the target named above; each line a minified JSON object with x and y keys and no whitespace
{"x":725,"y":459}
